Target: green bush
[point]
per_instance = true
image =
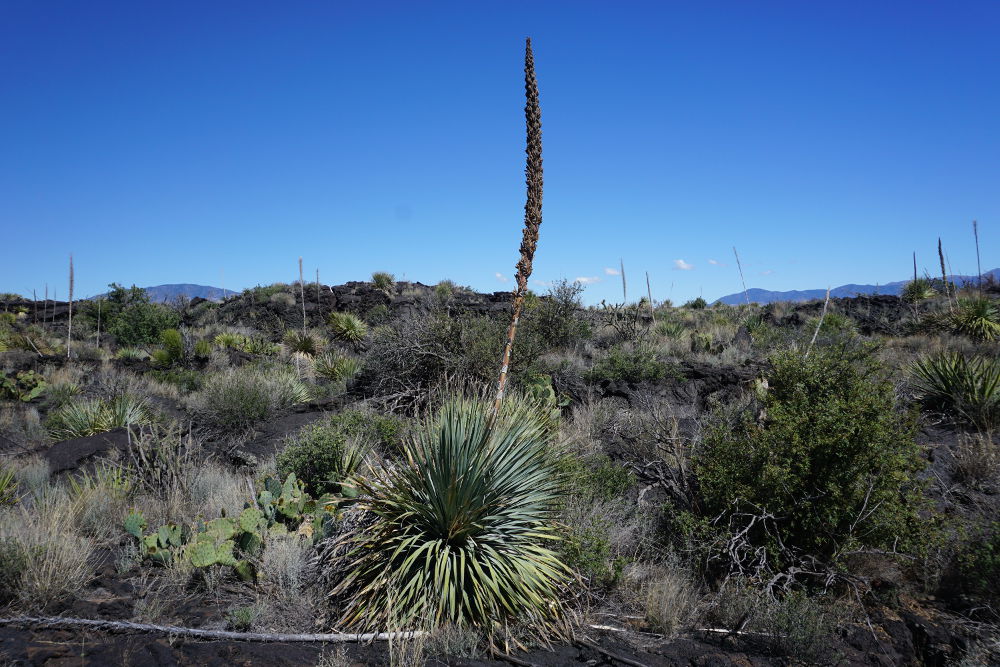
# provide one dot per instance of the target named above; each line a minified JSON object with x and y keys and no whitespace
{"x":461,"y":530}
{"x":833,"y":461}
{"x":557,"y":318}
{"x":322,"y":456}
{"x":979,"y":565}
{"x":630,"y":364}
{"x":967,"y":388}
{"x":595,"y":478}
{"x":130,"y":317}
{"x":696,"y":304}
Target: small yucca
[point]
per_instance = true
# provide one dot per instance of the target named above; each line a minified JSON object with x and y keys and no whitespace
{"x":305,"y":342}
{"x":88,"y":417}
{"x":919,"y":289}
{"x":966,"y":387}
{"x":977,"y":318}
{"x":347,"y":327}
{"x":337,"y":366}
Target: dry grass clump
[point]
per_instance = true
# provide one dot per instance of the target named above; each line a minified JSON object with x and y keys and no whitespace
{"x":671,"y":601}
{"x":282,"y":566}
{"x":22,"y":424}
{"x":46,"y":558}
{"x":977,"y":459}
{"x":237,"y":399}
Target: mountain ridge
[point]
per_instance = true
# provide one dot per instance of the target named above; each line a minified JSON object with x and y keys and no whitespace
{"x":763,"y":296}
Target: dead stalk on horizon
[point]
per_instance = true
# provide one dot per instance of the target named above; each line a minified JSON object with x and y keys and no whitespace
{"x":649,"y":297}
{"x":621,"y":264}
{"x":979,"y":266}
{"x":532,"y":211}
{"x":944,"y":277}
{"x":746,"y":295}
{"x":818,"y":324}
{"x":302,"y":290}
{"x":69,"y":326}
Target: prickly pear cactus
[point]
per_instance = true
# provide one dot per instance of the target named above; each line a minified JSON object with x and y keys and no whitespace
{"x":135,"y":523}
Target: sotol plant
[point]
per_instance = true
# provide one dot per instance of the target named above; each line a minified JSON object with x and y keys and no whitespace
{"x":462,"y":528}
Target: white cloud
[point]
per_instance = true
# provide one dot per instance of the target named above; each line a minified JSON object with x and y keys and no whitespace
{"x":611,"y":272}
{"x":682,"y":265}
{"x":587,"y":280}
{"x":767,"y":273}
{"x":715,"y":262}
{"x":501,"y":277}
{"x":541,"y":283}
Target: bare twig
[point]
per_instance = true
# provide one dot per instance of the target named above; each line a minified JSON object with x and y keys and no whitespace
{"x":746,"y":294}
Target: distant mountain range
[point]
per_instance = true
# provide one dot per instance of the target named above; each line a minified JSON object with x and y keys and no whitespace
{"x":763,"y":296}
{"x":168,"y":293}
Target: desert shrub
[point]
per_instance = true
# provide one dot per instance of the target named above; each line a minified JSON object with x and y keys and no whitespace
{"x":594,"y":478}
{"x":966,"y":387}
{"x":696,"y":304}
{"x":461,"y":527}
{"x":240,"y":398}
{"x":132,"y":319}
{"x":792,"y":625}
{"x":384,"y":281}
{"x":282,"y":300}
{"x":384,"y":431}
{"x":977,"y":318}
{"x":13,"y":562}
{"x":185,"y":379}
{"x":347,"y":327}
{"x":87,"y":417}
{"x":322,"y":457}
{"x":557,"y":318}
{"x":630,"y":364}
{"x":979,"y":564}
{"x":830,"y":468}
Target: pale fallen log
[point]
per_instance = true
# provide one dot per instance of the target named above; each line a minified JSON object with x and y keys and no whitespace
{"x":176,"y":631}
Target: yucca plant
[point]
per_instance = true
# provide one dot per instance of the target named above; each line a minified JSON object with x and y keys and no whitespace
{"x":303,"y":341}
{"x":461,"y":528}
{"x":978,"y":318}
{"x":8,"y":487}
{"x":670,"y":329}
{"x":384,"y":282}
{"x":337,"y":366}
{"x":131,"y":354}
{"x":918,"y":289}
{"x":83,"y":418}
{"x":968,"y":388}
{"x":347,"y":327}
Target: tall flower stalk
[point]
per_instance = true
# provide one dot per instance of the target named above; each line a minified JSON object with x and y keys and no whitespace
{"x":532,"y":211}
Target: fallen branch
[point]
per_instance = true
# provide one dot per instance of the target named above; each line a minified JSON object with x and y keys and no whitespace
{"x":126,"y":626}
{"x":608,"y":654}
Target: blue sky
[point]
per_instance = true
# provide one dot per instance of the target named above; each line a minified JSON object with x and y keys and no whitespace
{"x":174,"y":142}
